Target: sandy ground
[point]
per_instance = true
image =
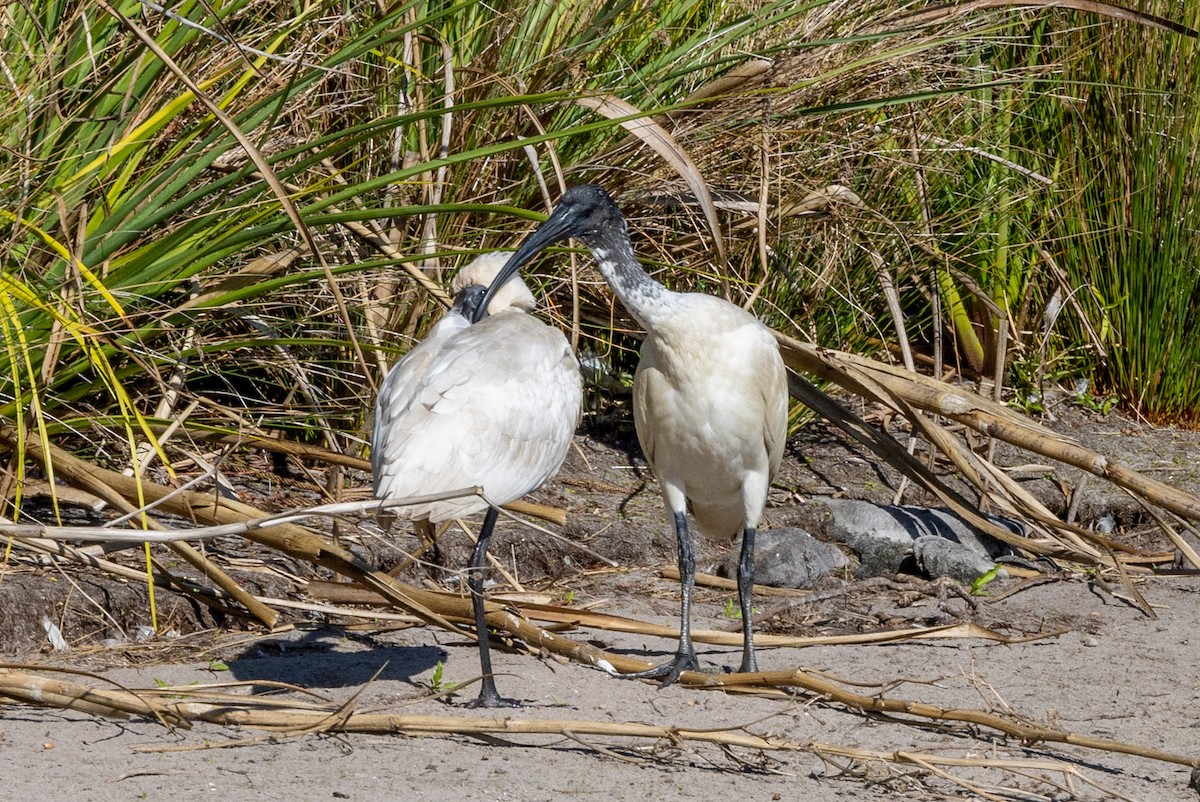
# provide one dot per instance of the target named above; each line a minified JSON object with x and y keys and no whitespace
{"x":1099,"y":668}
{"x":1114,"y":675}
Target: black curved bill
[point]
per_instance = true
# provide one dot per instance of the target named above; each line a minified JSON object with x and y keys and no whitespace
{"x":557,"y":227}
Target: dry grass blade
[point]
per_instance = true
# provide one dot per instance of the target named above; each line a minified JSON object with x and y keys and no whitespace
{"x":258,"y":269}
{"x":728,"y":82}
{"x":982,"y":414}
{"x":951,"y":11}
{"x":343,"y":593}
{"x":662,"y":143}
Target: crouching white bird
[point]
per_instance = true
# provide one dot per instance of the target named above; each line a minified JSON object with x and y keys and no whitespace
{"x":710,"y":400}
{"x":491,"y":404}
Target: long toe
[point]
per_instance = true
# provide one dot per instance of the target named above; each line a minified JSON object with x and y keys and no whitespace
{"x":668,"y":672}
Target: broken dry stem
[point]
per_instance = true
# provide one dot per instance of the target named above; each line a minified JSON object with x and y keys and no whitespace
{"x":984,"y":415}
{"x":1027,"y":734}
{"x":439,"y":608}
{"x":184,"y":705}
{"x":343,"y":593}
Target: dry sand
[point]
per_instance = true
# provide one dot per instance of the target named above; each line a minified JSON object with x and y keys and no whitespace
{"x":1112,"y":672}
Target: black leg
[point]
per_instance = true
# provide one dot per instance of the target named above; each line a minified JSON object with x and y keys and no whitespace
{"x":685,"y":658}
{"x":745,"y":580}
{"x":488,"y":696}
{"x":687,"y":583}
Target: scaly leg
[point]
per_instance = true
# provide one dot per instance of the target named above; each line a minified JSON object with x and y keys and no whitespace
{"x":745,"y":580}
{"x":488,"y":696}
{"x":685,"y":658}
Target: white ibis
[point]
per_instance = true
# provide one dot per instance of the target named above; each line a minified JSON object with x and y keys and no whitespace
{"x":491,"y":404}
{"x":710,"y":400}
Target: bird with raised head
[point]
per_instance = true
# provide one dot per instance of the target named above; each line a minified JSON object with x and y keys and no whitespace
{"x":489,"y":404}
{"x":710,"y":401}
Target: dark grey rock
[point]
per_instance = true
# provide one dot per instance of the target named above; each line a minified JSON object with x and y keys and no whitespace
{"x":937,"y":556}
{"x":788,"y":558}
{"x":884,"y":537}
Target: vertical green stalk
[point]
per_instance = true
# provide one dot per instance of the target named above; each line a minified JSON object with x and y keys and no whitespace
{"x":1133,"y":216}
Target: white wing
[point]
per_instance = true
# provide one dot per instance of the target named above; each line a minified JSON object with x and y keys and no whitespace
{"x":493,"y":405}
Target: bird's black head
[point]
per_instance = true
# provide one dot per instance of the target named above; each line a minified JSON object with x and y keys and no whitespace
{"x":585,"y":212}
{"x":469,"y":301}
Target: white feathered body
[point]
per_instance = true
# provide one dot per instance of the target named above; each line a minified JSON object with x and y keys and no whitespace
{"x":492,"y":405}
{"x":710,"y":408}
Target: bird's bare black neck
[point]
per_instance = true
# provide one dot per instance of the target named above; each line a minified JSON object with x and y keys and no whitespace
{"x":639,"y":292}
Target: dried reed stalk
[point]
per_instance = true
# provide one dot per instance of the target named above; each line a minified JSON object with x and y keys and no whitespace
{"x":343,"y":593}
{"x":1027,"y":734}
{"x":440,"y":609}
{"x":982,"y":414}
{"x":246,"y":711}
{"x":912,"y":393}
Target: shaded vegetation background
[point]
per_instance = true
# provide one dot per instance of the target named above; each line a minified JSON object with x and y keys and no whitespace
{"x":229,"y":218}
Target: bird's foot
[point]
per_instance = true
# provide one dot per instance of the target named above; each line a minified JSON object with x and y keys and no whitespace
{"x":749,"y":664}
{"x":668,"y":672}
{"x":488,"y":697}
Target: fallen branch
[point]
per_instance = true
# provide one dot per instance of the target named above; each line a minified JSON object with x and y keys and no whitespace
{"x":280,"y":716}
{"x":343,"y":593}
{"x":910,"y":394}
{"x":1027,"y":734}
{"x":984,"y":415}
{"x":104,"y":534}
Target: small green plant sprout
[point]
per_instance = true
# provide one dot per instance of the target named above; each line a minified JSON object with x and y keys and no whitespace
{"x":1031,"y":402}
{"x":1086,"y":399}
{"x":979,"y":585}
{"x":734,"y":612}
{"x":568,"y":598}
{"x":217,"y":665}
{"x":439,"y":685}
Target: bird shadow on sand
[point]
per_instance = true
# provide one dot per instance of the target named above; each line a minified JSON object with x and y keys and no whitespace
{"x":327,"y":658}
